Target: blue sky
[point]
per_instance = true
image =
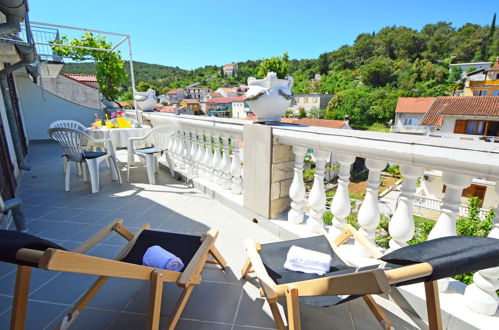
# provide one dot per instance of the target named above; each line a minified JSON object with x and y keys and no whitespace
{"x":194,"y":33}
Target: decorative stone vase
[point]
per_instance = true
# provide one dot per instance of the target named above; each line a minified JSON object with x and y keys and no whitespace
{"x":146,"y":101}
{"x":270,"y":97}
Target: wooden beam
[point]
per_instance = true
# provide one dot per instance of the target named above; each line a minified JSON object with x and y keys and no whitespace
{"x":20,"y":300}
{"x":378,"y":312}
{"x":408,"y":273}
{"x":293,"y":309}
{"x":155,"y":297}
{"x":266,"y":282}
{"x":375,"y":253}
{"x":246,"y":268}
{"x":360,"y":283}
{"x":433,"y":305}
{"x":88,"y":244}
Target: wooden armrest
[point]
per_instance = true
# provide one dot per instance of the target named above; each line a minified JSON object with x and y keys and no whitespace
{"x":361,"y":283}
{"x":88,"y":244}
{"x":268,"y":285}
{"x":408,"y":273}
{"x":351,"y":231}
{"x":198,"y":260}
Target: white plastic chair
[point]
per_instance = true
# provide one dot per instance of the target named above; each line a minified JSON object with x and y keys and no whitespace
{"x":71,"y":142}
{"x":160,"y":136}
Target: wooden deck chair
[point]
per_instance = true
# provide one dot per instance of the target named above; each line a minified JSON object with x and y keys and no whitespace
{"x":29,"y":251}
{"x":424,"y":262}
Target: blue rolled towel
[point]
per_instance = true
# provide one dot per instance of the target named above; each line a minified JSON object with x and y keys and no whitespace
{"x":158,"y":257}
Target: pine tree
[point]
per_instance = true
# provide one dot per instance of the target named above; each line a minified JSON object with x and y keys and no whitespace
{"x":490,"y":38}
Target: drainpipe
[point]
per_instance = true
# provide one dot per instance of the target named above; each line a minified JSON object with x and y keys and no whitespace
{"x":11,"y":26}
{"x":14,"y":205}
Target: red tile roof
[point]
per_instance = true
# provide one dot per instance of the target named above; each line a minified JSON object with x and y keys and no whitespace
{"x":226,"y":99}
{"x":414,"y":104}
{"x":466,"y":106}
{"x":190,"y":101}
{"x":81,"y":77}
{"x":174,"y":91}
{"x":228,"y":90}
{"x":230,"y":64}
{"x":315,"y":122}
{"x":495,"y":67}
{"x":84,"y":79}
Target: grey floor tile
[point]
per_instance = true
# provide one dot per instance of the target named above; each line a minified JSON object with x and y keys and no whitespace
{"x":362,"y":316}
{"x":39,"y":315}
{"x":221,"y":298}
{"x":250,"y":313}
{"x":61,"y":214}
{"x":105,"y":251}
{"x":240,"y":327}
{"x":65,"y":288}
{"x":178,"y":223}
{"x":195,"y":325}
{"x":39,"y":211}
{"x":91,"y":318}
{"x":171,"y":293}
{"x":117,"y":293}
{"x":129,"y":321}
{"x":91,"y":216}
{"x":155,"y":220}
{"x":6,"y":268}
{"x":38,"y":278}
{"x":214,"y":273}
{"x":36,"y":226}
{"x":63,"y":230}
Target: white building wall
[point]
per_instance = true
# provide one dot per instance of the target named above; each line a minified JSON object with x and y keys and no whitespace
{"x":311,"y":102}
{"x":448,"y":125}
{"x":73,"y":91}
{"x":40,"y":110}
{"x":401,"y":117}
{"x":238,"y":110}
{"x":433,"y":189}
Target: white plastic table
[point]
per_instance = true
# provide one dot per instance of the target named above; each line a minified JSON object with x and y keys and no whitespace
{"x":119,"y":136}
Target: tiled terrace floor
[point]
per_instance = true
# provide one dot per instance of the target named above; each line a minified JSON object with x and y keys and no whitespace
{"x":223,"y":301}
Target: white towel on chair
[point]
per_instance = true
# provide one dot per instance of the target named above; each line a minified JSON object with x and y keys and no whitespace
{"x":307,"y":261}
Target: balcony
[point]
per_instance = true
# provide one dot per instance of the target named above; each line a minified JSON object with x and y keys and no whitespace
{"x":247,"y":181}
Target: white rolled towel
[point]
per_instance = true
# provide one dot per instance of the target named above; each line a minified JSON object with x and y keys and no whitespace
{"x":307,"y":261}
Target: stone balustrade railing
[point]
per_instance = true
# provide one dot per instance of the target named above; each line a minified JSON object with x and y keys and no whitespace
{"x":460,"y":162}
{"x":436,"y":204}
{"x":203,"y":147}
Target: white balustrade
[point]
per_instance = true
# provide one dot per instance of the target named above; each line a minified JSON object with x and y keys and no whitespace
{"x":297,"y":188}
{"x":317,"y":197}
{"x":200,"y":154}
{"x":340,"y":206}
{"x":208,"y":158}
{"x":369,"y":215}
{"x":226,"y":181}
{"x":194,"y":154}
{"x":401,"y":226}
{"x":216,"y":162}
{"x":481,"y":295}
{"x":236,"y":169}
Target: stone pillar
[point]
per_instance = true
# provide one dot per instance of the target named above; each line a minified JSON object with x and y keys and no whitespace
{"x":268,"y":171}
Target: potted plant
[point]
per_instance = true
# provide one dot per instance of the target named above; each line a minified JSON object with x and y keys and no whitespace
{"x":270,"y":96}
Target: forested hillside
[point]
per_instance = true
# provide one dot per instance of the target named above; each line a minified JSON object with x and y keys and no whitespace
{"x":366,"y":77}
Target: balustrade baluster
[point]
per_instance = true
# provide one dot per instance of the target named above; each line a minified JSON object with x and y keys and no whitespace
{"x":226,"y":176}
{"x":368,"y":216}
{"x":481,"y":294}
{"x":236,"y":169}
{"x":317,"y":198}
{"x":217,"y":160}
{"x":178,"y":150}
{"x":194,"y":154}
{"x":401,"y":226}
{"x":208,"y":157}
{"x":340,"y":206}
{"x":446,"y":223}
{"x":200,"y":154}
{"x":297,"y":188}
{"x":186,"y":153}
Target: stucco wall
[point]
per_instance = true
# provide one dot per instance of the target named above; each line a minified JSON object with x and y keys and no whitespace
{"x":73,"y":91}
{"x":399,"y":119}
{"x":40,"y":110}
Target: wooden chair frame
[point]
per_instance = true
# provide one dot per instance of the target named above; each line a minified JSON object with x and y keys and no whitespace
{"x":364,"y":283}
{"x":77,"y":262}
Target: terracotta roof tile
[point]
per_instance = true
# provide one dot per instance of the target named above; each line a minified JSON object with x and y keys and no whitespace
{"x":226,"y":99}
{"x":414,"y":104}
{"x":190,"y":101}
{"x":174,"y":91}
{"x":476,"y":106}
{"x":81,"y":77}
{"x":308,"y":122}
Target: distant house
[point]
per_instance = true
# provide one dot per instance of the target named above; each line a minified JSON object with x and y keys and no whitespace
{"x":208,"y":97}
{"x":191,"y":104}
{"x":230,"y":69}
{"x":342,"y":124}
{"x":240,"y":109}
{"x":174,"y":96}
{"x":227,"y":92}
{"x":215,"y":102}
{"x":483,"y":82}
{"x":409,"y":112}
{"x":310,"y":101}
{"x":467,"y":66}
{"x":241,"y":89}
{"x":176,"y":109}
{"x":197,"y":93}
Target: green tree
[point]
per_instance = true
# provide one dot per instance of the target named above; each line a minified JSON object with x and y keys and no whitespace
{"x":377,"y":72}
{"x":302,"y":113}
{"x":490,"y":38}
{"x":142,"y":86}
{"x":279,"y":65}
{"x":108,"y":64}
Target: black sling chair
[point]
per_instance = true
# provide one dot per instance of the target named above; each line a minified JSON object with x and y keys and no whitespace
{"x":424,"y":262}
{"x":29,"y":251}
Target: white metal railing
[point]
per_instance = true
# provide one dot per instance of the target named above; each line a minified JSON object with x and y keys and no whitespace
{"x":204,"y":147}
{"x":436,"y":204}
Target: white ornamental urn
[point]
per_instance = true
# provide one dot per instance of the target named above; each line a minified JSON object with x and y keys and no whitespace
{"x":270,"y":97}
{"x":146,"y":101}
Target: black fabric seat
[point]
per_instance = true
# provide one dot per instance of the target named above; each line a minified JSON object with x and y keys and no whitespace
{"x":93,"y":154}
{"x":13,"y":241}
{"x":181,"y":245}
{"x":448,"y":256}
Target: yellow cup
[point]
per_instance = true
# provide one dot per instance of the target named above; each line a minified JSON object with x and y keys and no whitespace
{"x":109,"y":124}
{"x":122,"y":122}
{"x":97,"y":124}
